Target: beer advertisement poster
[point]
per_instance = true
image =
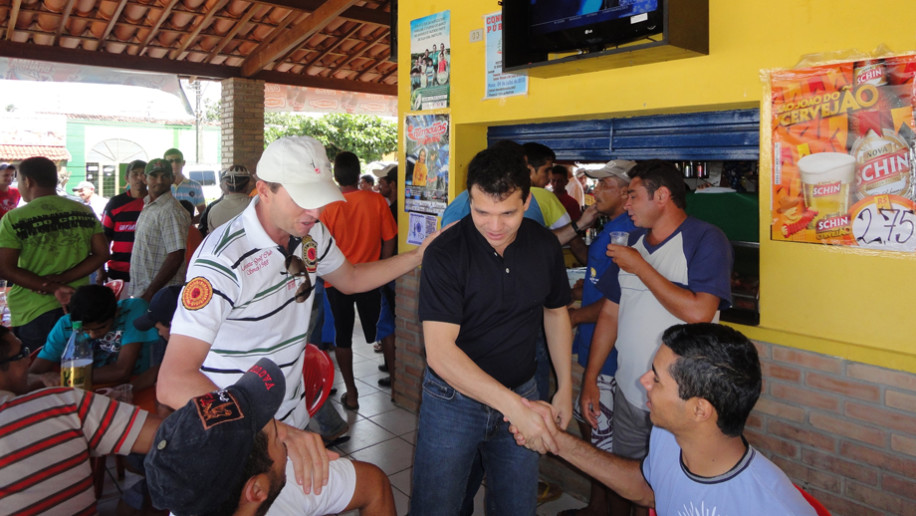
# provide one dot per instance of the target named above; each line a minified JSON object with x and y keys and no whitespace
{"x":426,"y":184}
{"x":843,"y":139}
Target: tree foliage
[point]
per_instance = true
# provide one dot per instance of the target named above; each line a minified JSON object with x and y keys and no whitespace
{"x":369,"y":137}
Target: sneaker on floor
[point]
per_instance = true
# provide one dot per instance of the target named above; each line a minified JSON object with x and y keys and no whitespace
{"x":377,"y":347}
{"x":383,"y":368}
{"x":384,"y":382}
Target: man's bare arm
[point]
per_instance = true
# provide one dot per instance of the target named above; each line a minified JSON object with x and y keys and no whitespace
{"x":166,"y":272}
{"x":622,"y":475}
{"x":688,"y":306}
{"x":98,"y":255}
{"x":559,"y":343}
{"x":603,"y":340}
{"x":454,"y":366}
{"x":180,"y":378}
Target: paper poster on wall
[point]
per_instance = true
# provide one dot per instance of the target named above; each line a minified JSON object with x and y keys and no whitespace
{"x":421,"y":226}
{"x":499,"y":83}
{"x":430,"y":61}
{"x":843,"y":144}
{"x":426,"y":185}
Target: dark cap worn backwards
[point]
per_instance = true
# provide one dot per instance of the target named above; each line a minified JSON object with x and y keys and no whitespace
{"x":199,"y":450}
{"x":161,"y":308}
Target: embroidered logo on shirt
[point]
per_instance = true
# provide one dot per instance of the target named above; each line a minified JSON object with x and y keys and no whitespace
{"x":216,"y":408}
{"x":197,"y":293}
{"x":310,"y":253}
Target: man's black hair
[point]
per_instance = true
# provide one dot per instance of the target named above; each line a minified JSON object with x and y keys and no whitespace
{"x":93,"y":304}
{"x":186,"y":204}
{"x":718,"y":364}
{"x":137,"y":163}
{"x":656,"y":173}
{"x":391,"y":176}
{"x":559,"y":170}
{"x":498,"y":172}
{"x":41,"y":170}
{"x":346,"y":169}
{"x":258,"y":462}
{"x":538,"y":154}
{"x":369,"y":179}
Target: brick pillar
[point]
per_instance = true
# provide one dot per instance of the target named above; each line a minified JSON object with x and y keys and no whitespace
{"x":410,"y":360}
{"x":242,"y":118}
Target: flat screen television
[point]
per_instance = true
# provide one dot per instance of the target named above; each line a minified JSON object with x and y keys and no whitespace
{"x":532,"y":29}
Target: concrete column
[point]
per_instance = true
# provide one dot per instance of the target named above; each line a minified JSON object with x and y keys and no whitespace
{"x":242,"y":118}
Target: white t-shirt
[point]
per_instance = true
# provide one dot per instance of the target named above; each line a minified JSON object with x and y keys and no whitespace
{"x":241,"y":300}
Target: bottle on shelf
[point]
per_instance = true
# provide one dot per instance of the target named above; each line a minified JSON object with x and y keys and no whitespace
{"x":76,"y":362}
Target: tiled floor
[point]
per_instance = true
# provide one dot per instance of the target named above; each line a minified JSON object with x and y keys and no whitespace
{"x":380,"y":433}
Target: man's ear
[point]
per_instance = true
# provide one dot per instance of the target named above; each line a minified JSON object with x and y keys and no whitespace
{"x":700,"y":409}
{"x":256,"y":489}
{"x":662,"y":194}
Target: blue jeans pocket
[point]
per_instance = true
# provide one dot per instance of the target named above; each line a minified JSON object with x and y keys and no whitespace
{"x":437,"y":388}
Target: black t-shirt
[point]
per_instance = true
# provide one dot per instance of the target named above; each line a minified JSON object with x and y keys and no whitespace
{"x":497,"y":300}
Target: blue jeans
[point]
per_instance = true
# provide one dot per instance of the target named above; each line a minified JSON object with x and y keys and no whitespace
{"x":453,"y":430}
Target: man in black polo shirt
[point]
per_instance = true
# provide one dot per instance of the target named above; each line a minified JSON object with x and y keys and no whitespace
{"x":487,"y":286}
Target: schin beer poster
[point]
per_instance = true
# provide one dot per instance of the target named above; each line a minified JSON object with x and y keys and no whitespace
{"x":843,"y":153}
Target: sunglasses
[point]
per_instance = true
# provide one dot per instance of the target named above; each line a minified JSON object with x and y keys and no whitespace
{"x":23,"y":353}
{"x":296,"y":269}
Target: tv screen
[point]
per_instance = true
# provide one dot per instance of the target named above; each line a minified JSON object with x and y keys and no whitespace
{"x":534,"y":28}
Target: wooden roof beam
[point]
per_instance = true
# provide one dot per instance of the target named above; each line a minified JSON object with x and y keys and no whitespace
{"x":113,"y":22}
{"x":253,"y":10}
{"x":64,"y":17}
{"x":354,"y":13}
{"x":154,"y":30}
{"x":336,"y":44}
{"x":369,"y":44}
{"x":263,"y":56}
{"x":192,"y":36}
{"x":14,"y":16}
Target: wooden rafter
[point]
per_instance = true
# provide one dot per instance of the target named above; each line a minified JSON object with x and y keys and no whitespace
{"x":360,"y":52}
{"x":192,"y":36}
{"x":113,"y":22}
{"x":64,"y":17}
{"x":389,"y":74}
{"x":154,"y":30}
{"x":14,"y":16}
{"x":354,"y":13}
{"x":334,"y":45}
{"x":379,"y":59}
{"x":265,"y":55}
{"x":254,"y":9}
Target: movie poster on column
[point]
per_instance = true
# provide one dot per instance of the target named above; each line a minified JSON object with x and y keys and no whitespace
{"x":499,"y":83}
{"x":430,"y":61}
{"x":426,"y":185}
{"x":843,"y":144}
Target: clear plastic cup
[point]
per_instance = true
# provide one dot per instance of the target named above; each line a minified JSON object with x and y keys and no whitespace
{"x":620,"y":238}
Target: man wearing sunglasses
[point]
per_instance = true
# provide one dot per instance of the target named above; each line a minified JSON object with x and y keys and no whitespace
{"x":248,"y":296}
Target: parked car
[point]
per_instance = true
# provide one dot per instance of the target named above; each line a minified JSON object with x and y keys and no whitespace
{"x":208,"y":177}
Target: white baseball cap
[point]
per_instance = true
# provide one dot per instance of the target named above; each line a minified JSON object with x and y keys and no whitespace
{"x":617,"y":168}
{"x":300,"y":164}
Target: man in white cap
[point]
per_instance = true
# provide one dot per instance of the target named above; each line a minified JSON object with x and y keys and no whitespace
{"x":248,"y":296}
{"x":86,"y":192}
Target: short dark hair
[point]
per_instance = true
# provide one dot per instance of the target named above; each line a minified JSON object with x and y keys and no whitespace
{"x":391,"y":176}
{"x":41,"y":170}
{"x":559,"y":170}
{"x":498,"y":172}
{"x":258,"y":462}
{"x":93,"y":304}
{"x":368,"y":178}
{"x":538,"y":154}
{"x":656,"y":173}
{"x":137,"y":163}
{"x":718,"y":364}
{"x":346,"y":169}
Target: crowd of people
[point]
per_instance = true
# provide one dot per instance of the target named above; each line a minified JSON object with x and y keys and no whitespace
{"x":218,"y":329}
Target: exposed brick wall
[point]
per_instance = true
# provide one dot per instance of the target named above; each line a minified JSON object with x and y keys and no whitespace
{"x":844,"y":431}
{"x":242,"y":122}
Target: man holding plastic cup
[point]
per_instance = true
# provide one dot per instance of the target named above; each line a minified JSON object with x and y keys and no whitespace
{"x":677,"y":269}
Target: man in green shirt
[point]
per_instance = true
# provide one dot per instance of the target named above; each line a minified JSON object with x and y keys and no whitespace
{"x":47,"y":248}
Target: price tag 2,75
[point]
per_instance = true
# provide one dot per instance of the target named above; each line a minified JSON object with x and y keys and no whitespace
{"x":885,"y":222}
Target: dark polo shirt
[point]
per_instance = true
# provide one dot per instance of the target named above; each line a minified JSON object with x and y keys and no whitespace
{"x":497,"y":300}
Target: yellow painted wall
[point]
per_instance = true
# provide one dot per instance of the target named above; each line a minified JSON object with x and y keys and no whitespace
{"x":856,"y":304}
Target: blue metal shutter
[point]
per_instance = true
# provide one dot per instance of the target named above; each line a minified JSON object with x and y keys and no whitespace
{"x":711,"y":135}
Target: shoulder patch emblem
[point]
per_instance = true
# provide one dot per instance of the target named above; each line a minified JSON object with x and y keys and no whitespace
{"x":217,"y":407}
{"x":197,"y":293}
{"x":310,"y":253}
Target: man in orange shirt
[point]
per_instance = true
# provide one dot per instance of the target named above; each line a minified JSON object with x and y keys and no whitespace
{"x":365,"y":232}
